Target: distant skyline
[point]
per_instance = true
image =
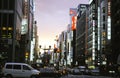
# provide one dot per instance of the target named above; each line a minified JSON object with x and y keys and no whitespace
{"x":52,"y":18}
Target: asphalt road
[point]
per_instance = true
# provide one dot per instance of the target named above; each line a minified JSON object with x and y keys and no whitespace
{"x":85,"y":76}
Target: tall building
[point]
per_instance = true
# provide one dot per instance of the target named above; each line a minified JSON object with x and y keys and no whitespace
{"x":62,"y":46}
{"x":69,"y":45}
{"x":81,"y":33}
{"x":16,"y":24}
{"x":104,"y":31}
{"x":10,"y":29}
{"x":115,"y":28}
{"x":27,"y":30}
{"x":99,"y":32}
{"x":73,"y":20}
{"x":34,"y":53}
{"x":92,"y":35}
{"x":108,"y":33}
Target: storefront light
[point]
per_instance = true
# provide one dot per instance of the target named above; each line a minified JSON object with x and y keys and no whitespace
{"x":4,"y":28}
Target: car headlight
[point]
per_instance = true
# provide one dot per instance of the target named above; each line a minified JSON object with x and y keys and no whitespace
{"x":112,"y":71}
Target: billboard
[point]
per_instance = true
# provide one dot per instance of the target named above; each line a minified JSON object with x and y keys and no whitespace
{"x":74,"y":20}
{"x":24,"y":27}
{"x":73,"y":11}
{"x":73,"y":14}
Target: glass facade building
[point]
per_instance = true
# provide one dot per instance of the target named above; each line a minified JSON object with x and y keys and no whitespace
{"x":10,"y":28}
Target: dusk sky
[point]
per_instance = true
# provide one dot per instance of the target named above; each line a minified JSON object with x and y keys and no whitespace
{"x":52,"y":18}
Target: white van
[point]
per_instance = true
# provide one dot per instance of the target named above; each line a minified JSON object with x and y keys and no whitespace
{"x":11,"y":70}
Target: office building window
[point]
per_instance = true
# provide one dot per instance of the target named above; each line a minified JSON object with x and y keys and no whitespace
{"x":103,"y":17}
{"x":1,"y":3}
{"x":11,"y":4}
{"x":104,"y":26}
{"x":5,"y":4}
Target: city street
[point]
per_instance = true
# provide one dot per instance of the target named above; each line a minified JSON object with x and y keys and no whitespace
{"x":84,"y":76}
{"x":78,"y":76}
{"x":59,"y":38}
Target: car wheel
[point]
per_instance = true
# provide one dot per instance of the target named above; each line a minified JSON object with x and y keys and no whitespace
{"x":9,"y":76}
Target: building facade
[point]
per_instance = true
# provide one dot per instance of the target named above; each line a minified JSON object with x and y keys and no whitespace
{"x":16,"y":24}
{"x":10,"y":29}
{"x":92,"y":34}
{"x":73,"y":20}
{"x":115,"y":30}
{"x":26,"y":30}
{"x":81,"y":33}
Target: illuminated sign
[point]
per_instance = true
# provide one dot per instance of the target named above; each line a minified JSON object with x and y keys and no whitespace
{"x":25,"y":9}
{"x":4,"y":28}
{"x":7,"y":32}
{"x":74,"y":20}
{"x":73,"y":11}
{"x":24,"y":27}
{"x":109,"y":20}
{"x":73,"y":14}
{"x":109,"y":7}
{"x":10,"y":28}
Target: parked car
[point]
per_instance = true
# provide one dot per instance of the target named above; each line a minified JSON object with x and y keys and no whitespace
{"x":69,"y":70}
{"x":95,"y":71}
{"x":82,"y":69}
{"x":37,"y":65}
{"x":112,"y":70}
{"x":11,"y":70}
{"x":76,"y":71}
{"x":63,"y":71}
{"x":87,"y":71}
{"x":49,"y":72}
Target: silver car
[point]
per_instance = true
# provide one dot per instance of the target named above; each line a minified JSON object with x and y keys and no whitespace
{"x":11,"y":70}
